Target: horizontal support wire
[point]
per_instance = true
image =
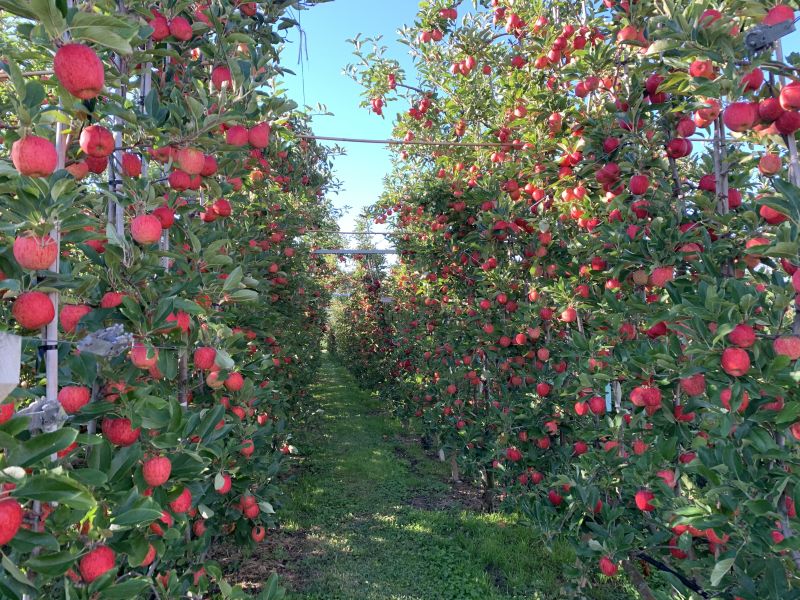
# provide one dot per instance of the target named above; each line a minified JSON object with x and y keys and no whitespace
{"x":509,"y":145}
{"x":407,"y":142}
{"x":356,"y":251}
{"x":350,"y":232}
{"x":63,"y":342}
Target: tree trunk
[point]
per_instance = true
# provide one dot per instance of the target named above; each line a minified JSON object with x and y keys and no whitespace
{"x":487,"y":482}
{"x":637,"y":580}
{"x":454,"y":474}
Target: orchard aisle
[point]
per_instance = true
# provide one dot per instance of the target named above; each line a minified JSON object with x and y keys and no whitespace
{"x":372,"y":517}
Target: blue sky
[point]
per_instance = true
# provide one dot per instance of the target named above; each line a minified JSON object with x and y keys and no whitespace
{"x":327,"y":27}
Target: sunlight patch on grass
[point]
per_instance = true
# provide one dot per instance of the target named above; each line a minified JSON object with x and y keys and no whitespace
{"x":353,"y":498}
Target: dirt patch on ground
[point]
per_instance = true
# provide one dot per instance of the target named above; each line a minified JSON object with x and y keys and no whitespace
{"x":412,"y":461}
{"x":498,"y":577}
{"x":407,"y":440}
{"x":280,"y":553}
{"x":462,"y":496}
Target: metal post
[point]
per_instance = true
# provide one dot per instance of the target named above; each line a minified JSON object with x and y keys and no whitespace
{"x":794,"y":164}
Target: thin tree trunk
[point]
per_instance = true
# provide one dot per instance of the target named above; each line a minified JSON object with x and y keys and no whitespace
{"x":637,"y":579}
{"x":454,"y":474}
{"x":487,"y":482}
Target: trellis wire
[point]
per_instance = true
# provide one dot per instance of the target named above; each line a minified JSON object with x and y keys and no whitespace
{"x":395,"y":142}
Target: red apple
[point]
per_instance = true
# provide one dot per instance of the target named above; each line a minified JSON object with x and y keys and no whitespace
{"x":34,"y":156}
{"x":740,"y":116}
{"x":78,"y":68}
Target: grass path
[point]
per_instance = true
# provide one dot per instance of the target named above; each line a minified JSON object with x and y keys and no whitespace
{"x":379,"y":521}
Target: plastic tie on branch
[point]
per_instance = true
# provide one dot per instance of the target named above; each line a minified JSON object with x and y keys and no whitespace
{"x":107,"y":342}
{"x":45,"y":415}
{"x":762,"y":37}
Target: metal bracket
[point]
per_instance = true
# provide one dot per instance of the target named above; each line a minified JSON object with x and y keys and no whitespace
{"x":762,"y":37}
{"x":107,"y":342}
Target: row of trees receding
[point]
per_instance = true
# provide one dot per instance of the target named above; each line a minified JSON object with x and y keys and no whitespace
{"x":152,"y":259}
{"x":595,"y":312}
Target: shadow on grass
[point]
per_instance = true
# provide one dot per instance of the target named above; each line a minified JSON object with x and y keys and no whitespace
{"x":372,"y":518}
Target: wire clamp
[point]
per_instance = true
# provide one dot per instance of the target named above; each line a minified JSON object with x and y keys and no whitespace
{"x":45,"y":415}
{"x":107,"y":342}
{"x":762,"y":37}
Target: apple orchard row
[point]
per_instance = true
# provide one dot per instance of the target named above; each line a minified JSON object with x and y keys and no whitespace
{"x":595,"y":314}
{"x":154,"y":182}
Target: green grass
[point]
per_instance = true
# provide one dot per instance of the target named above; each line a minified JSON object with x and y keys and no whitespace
{"x":380,"y":522}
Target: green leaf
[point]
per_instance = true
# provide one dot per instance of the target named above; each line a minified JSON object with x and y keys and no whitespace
{"x":761,"y":440}
{"x":137,"y":516}
{"x":132,"y":588}
{"x":26,"y":540}
{"x":188,"y":306}
{"x":225,"y":588}
{"x":137,"y":548}
{"x":224,"y":361}
{"x":52,"y":565}
{"x":90,"y":477}
{"x":789,"y":203}
{"x":14,"y":571}
{"x":16,"y":77}
{"x":789,"y":414}
{"x":50,"y":487}
{"x":720,"y":570}
{"x":34,"y":94}
{"x":759,"y":507}
{"x":233,"y":280}
{"x":783,"y":250}
{"x":210,"y":420}
{"x":20,"y":8}
{"x":220,"y":260}
{"x":40,"y":446}
{"x":195,"y":107}
{"x":47,"y":13}
{"x":168,"y":365}
{"x":7,"y":170}
{"x":131,"y":309}
{"x":123,"y":461}
{"x":6,"y":591}
{"x":243,"y":296}
{"x":660,"y":46}
{"x":113,"y":237}
{"x":195,"y":241}
{"x":104,"y":30}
